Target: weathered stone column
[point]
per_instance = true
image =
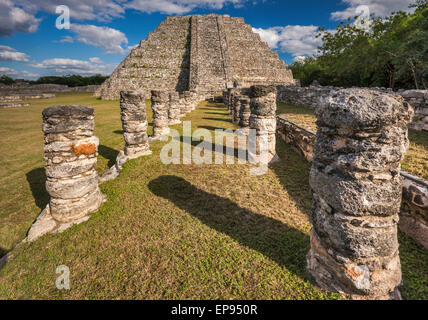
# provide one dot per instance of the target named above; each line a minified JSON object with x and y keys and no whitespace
{"x":70,"y":153}
{"x":182,"y":104}
{"x":174,"y":111}
{"x":356,"y":186}
{"x":231,"y":93}
{"x":134,"y":123}
{"x":187,"y":101}
{"x":194,"y":98}
{"x":160,"y":102}
{"x":263,"y":119}
{"x":236,"y":112}
{"x":245,"y":112}
{"x":225,"y":98}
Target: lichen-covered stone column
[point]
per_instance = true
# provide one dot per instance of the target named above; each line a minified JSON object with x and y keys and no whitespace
{"x":174,"y":111}
{"x":263,"y":119}
{"x":70,"y":153}
{"x":134,"y":123}
{"x":236,"y":112}
{"x":245,"y":112}
{"x":356,"y":186}
{"x":160,"y":103}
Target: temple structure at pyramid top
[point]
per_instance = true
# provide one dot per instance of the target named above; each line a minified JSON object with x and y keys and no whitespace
{"x":202,"y":53}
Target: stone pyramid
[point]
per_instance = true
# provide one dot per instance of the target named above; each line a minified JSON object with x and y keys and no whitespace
{"x":202,"y":53}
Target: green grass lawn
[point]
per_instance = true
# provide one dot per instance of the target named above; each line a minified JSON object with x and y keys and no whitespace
{"x":415,"y":162}
{"x":166,"y":231}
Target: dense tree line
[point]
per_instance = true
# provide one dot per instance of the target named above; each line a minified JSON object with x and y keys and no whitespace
{"x":6,"y":80}
{"x":70,"y":80}
{"x":390,"y":52}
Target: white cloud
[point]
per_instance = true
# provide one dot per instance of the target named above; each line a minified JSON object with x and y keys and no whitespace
{"x":300,"y":59}
{"x":271,"y":36}
{"x":100,"y":10}
{"x":10,"y":54}
{"x":65,"y":66}
{"x":95,"y":60}
{"x":108,"y":39}
{"x":179,"y":6}
{"x":19,"y":15}
{"x":380,"y":8}
{"x":14,"y":19}
{"x":13,"y":73}
{"x":67,"y":39}
{"x":296,"y":40}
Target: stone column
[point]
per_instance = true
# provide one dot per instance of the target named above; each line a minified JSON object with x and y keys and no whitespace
{"x":236,"y":113}
{"x":174,"y":111}
{"x":263,"y":119}
{"x":356,"y":186}
{"x":70,"y":152}
{"x":182,"y":104}
{"x":134,"y":123}
{"x":245,"y":112}
{"x":160,"y":102}
{"x":225,"y":98}
{"x":194,"y":98}
{"x":230,"y":95}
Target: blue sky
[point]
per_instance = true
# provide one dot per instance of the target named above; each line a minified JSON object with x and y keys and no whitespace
{"x":103,"y":32}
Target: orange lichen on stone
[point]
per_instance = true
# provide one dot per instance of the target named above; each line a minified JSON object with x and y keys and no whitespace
{"x":352,"y":272}
{"x":85,"y":149}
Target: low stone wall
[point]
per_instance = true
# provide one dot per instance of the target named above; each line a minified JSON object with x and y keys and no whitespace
{"x":303,"y":96}
{"x":13,"y":105}
{"x":27,"y":97}
{"x":38,"y":89}
{"x":418,"y":99}
{"x":414,"y":207}
{"x":312,"y":96}
{"x":301,"y":139}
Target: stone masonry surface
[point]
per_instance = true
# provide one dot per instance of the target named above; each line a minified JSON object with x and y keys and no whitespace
{"x":201,"y":53}
{"x":134,"y":123}
{"x":263,"y":119}
{"x":414,"y":208}
{"x":356,"y":186}
{"x":160,"y":105}
{"x":70,"y":153}
{"x":71,"y":156}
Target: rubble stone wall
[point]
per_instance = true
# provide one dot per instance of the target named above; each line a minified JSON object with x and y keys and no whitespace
{"x":301,"y":139}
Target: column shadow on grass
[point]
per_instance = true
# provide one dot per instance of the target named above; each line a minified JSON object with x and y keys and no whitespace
{"x":207,"y":145}
{"x":219,"y":119}
{"x":293,"y":173}
{"x":36,"y":179}
{"x":281,"y":243}
{"x":2,"y":252}
{"x":108,"y":153}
